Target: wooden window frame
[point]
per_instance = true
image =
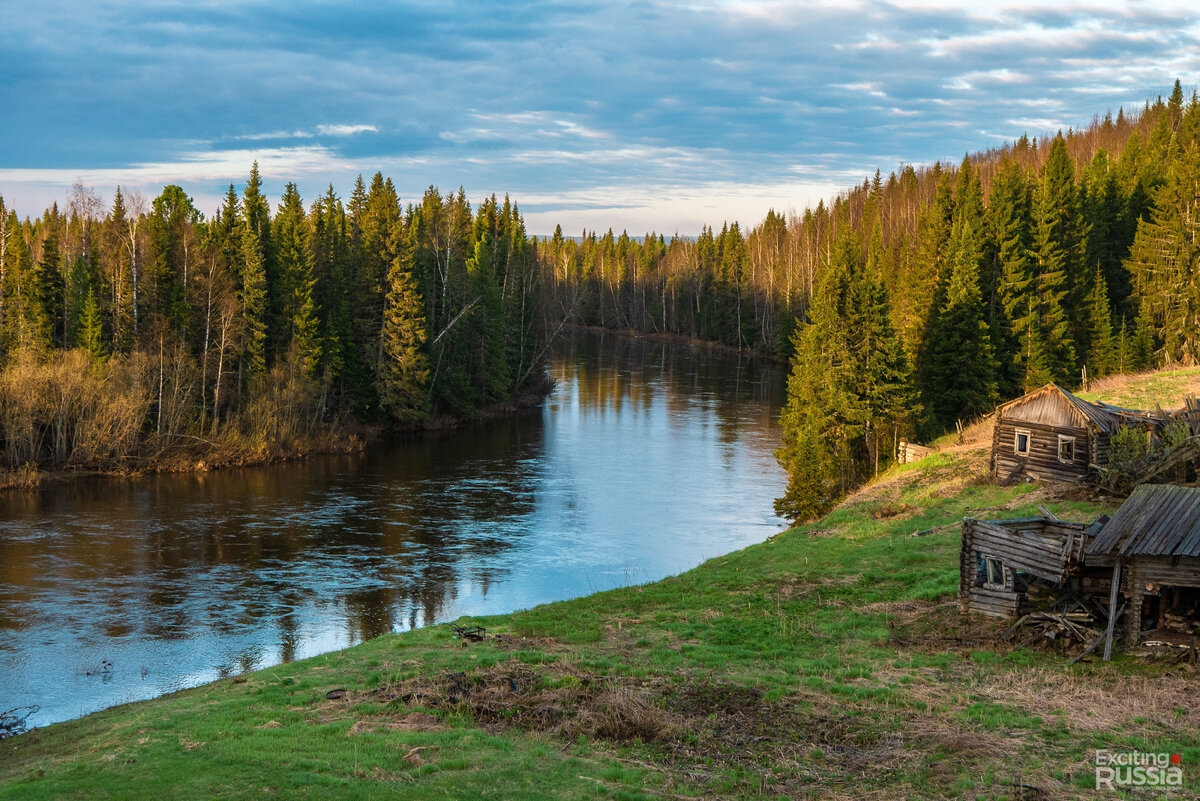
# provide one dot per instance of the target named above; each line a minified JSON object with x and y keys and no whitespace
{"x":1063,"y":439}
{"x":994,"y":567}
{"x":1017,"y":434}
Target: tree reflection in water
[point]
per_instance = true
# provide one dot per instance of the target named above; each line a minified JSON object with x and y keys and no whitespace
{"x":647,"y":458}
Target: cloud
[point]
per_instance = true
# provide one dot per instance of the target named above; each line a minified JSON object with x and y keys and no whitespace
{"x":345,"y":130}
{"x":558,"y":95}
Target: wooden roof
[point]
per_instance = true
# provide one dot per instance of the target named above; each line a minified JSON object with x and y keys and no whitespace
{"x":1054,"y":406}
{"x":1156,"y":520}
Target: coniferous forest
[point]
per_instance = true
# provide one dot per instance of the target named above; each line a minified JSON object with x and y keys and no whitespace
{"x":904,"y":305}
{"x":924,"y":298}
{"x":143,"y":332}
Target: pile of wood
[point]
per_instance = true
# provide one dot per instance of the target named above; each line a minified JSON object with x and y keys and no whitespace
{"x":1060,"y":628}
{"x":1072,"y":621}
{"x":910,"y":452}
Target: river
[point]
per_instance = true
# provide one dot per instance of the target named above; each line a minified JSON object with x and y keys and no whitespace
{"x":648,"y":458}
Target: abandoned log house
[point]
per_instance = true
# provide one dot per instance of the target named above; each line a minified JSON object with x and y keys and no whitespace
{"x":1152,"y":548}
{"x":1053,"y":435}
{"x":1006,"y":564}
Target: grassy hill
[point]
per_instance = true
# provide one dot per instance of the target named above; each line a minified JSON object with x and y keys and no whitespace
{"x":829,"y":662}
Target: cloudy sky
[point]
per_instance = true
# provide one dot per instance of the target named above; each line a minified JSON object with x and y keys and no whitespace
{"x":651,"y":115}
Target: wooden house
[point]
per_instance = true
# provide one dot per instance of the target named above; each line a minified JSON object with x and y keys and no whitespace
{"x":1053,"y":435}
{"x":1002,"y":561}
{"x":1152,"y":547}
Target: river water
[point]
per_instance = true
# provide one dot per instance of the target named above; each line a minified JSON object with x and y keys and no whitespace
{"x":648,"y":458}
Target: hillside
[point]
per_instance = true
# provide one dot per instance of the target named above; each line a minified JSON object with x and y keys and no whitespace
{"x":829,"y":661}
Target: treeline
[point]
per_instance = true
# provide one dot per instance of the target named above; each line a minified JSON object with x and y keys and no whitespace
{"x":925,"y":298}
{"x":132,"y":330}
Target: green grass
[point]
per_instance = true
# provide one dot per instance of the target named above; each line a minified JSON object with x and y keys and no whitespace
{"x":829,"y":661}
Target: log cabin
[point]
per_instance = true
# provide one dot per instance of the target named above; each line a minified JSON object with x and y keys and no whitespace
{"x":1152,"y":547}
{"x":1002,"y":561}
{"x":1145,"y":561}
{"x":1053,"y":435}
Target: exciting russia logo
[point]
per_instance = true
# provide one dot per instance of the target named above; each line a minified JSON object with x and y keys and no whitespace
{"x":1116,"y":769}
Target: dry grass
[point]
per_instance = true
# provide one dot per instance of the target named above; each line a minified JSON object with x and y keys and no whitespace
{"x":1134,"y":705}
{"x":1165,"y":387}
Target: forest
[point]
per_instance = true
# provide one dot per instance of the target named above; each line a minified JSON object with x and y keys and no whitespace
{"x":918,"y":300}
{"x":904,"y":305}
{"x":143,"y":333}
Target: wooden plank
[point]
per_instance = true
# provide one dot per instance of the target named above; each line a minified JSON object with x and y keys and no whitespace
{"x":1013,"y":542}
{"x":1019,"y":554}
{"x":1160,"y":570}
{"x":1112,"y":610}
{"x":988,"y":592}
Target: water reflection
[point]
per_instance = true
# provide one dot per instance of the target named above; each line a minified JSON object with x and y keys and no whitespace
{"x":648,"y":458}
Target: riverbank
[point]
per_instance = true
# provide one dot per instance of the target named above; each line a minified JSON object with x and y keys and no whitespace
{"x":683,"y":339}
{"x":192,"y":454}
{"x":829,"y":661}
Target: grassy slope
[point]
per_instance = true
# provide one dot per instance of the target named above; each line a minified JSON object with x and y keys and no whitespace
{"x":828,"y":662}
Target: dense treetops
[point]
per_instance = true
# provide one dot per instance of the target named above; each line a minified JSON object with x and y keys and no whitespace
{"x":905,"y":305}
{"x":264,"y":322}
{"x":924,"y":298}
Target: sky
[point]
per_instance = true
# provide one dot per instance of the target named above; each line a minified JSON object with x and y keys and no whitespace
{"x":647,"y":116}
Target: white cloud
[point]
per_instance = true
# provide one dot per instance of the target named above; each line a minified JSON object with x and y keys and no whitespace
{"x":668,"y":209}
{"x":345,"y":130}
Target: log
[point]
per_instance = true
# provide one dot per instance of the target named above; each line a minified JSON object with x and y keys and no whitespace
{"x":1112,"y":610}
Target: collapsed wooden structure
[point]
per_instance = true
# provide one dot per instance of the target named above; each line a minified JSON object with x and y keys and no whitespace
{"x":1152,"y":546}
{"x":1005,"y":562}
{"x":1050,"y":434}
{"x":1141,"y":568}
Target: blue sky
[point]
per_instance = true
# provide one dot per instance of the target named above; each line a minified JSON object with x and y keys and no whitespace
{"x":652,"y":115}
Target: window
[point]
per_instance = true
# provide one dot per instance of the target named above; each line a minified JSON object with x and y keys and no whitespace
{"x":991,"y":572}
{"x":1021,"y":442}
{"x":1066,"y":449}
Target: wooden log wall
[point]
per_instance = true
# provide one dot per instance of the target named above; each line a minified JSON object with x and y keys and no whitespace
{"x":1042,"y":462}
{"x":997,"y":603}
{"x":911,"y":452}
{"x":1174,"y":571}
{"x":1043,"y":552}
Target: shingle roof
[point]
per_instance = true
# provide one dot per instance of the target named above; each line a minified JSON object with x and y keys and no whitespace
{"x":1104,"y":416}
{"x":1156,"y":520}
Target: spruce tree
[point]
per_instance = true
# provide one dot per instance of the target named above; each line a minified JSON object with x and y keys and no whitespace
{"x":1164,"y":262}
{"x":1055,"y":246}
{"x":294,"y":314}
{"x":91,"y":328}
{"x":404,"y":369}
{"x":960,"y":366}
{"x":253,"y":297}
{"x":1013,"y":319}
{"x":1102,"y":350}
